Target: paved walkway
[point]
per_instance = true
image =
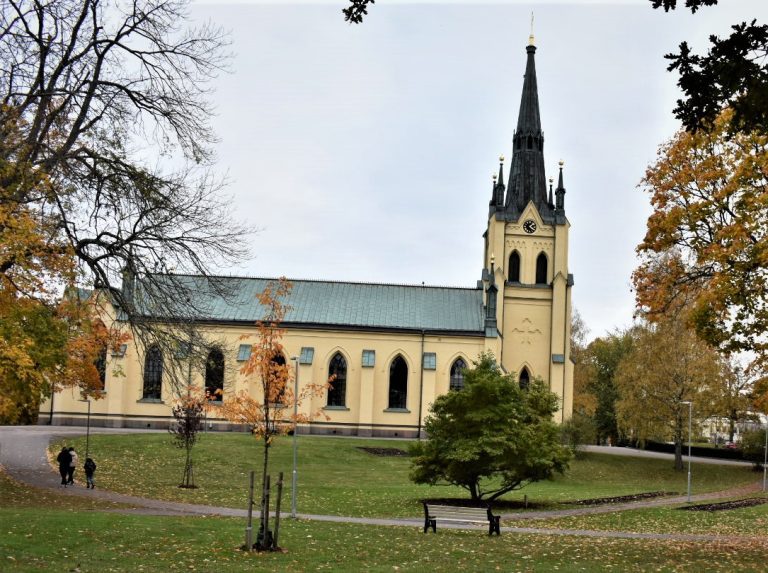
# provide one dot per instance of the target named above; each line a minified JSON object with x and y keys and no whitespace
{"x":23,"y":454}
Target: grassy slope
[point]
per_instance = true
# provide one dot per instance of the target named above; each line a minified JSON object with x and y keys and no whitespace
{"x":335,"y":477}
{"x":41,"y":533}
{"x":750,"y":521}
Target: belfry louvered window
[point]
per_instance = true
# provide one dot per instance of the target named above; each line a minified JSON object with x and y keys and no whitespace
{"x":541,"y":269}
{"x":514,"y":267}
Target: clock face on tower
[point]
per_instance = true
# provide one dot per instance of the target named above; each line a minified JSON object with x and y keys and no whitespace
{"x":529,"y":226}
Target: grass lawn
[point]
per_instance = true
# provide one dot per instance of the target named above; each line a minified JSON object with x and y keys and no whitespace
{"x":748,"y":521}
{"x":336,"y":477}
{"x":42,"y":534}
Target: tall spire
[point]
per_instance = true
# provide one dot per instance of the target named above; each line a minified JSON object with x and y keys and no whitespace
{"x":527,"y":181}
{"x":497,"y":193}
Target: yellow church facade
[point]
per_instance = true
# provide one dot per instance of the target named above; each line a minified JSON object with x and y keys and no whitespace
{"x":391,"y":348}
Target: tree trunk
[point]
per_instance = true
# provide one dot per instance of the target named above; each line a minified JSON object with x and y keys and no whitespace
{"x":679,"y":445}
{"x":263,"y":517}
{"x":473,"y":492}
{"x":731,"y":429}
{"x":188,"y":479}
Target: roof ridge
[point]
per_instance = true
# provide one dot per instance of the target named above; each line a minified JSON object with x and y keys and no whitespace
{"x":329,"y":281}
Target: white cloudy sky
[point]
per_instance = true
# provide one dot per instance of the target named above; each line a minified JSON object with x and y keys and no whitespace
{"x":365,"y":153}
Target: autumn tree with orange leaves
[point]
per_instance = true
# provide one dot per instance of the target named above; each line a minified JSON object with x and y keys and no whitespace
{"x":706,"y":246}
{"x":47,"y":341}
{"x":270,"y":413}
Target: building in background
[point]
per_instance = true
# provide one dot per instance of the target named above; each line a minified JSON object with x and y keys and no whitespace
{"x":391,"y":348}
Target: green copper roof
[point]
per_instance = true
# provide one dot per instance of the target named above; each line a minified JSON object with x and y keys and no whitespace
{"x":339,"y":304}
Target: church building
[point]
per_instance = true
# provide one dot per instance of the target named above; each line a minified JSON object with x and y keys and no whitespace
{"x":392,"y":348}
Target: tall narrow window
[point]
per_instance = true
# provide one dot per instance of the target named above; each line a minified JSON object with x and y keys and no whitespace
{"x":101,"y":367}
{"x":541,"y":269}
{"x":214,"y":374}
{"x":398,"y":383}
{"x":514,"y":267}
{"x":457,"y":374}
{"x":525,"y":379}
{"x":338,"y":370}
{"x":279,"y":393}
{"x":153,"y":373}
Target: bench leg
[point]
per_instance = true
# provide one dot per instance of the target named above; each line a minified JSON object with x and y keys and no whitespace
{"x":495,"y":526}
{"x":433,"y":524}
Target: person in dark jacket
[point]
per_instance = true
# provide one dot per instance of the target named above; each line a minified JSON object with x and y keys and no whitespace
{"x":90,"y":469}
{"x":64,"y":459}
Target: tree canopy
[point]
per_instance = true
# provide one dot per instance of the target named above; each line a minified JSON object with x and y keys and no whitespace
{"x":733,"y":73}
{"x":105,"y":161}
{"x":706,"y":244}
{"x":667,"y":366}
{"x":490,"y":437}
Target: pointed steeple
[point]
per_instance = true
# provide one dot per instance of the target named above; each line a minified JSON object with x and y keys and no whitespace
{"x":497,"y":194}
{"x":560,"y":192}
{"x":527,"y":181}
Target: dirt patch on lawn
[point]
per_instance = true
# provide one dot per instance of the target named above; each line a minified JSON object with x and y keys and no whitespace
{"x":385,"y":452}
{"x":621,"y":498}
{"x":726,"y":505}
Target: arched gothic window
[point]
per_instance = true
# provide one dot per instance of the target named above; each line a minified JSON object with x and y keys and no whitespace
{"x":338,"y":370}
{"x":214,"y":374}
{"x":101,"y":367}
{"x":514,"y":267}
{"x":541,"y":269}
{"x":279,"y":360}
{"x":525,"y":379}
{"x":153,"y":373}
{"x":398,"y":383}
{"x":457,"y":374}
{"x":530,"y":142}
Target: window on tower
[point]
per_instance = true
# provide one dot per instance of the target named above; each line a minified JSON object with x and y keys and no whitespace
{"x":541,"y":269}
{"x":514,"y":267}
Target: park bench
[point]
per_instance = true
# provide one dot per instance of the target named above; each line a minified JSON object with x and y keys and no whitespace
{"x":433,"y":512}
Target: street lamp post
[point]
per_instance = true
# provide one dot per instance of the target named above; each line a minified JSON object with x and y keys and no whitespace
{"x":87,"y":426}
{"x":690,"y":425}
{"x":765,"y":453}
{"x":294,"y":477}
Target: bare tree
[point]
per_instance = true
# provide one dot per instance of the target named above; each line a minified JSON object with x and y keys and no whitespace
{"x":94,"y":90}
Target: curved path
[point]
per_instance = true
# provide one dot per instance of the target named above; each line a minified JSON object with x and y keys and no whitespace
{"x":23,"y":454}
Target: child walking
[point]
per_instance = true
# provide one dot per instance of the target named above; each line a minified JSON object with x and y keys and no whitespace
{"x":90,"y":469}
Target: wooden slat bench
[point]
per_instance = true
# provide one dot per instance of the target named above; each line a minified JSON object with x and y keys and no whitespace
{"x":433,"y":512}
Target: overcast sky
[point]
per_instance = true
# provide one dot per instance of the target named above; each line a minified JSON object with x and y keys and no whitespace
{"x":365,"y":153}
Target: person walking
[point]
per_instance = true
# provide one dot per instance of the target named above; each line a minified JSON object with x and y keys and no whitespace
{"x":90,"y":469}
{"x":72,"y":467}
{"x":64,"y":459}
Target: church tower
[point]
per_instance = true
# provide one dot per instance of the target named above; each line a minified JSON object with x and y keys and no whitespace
{"x":525,"y":275}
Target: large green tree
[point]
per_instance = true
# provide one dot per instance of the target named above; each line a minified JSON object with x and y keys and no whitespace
{"x":596,"y":369}
{"x":667,"y":366}
{"x":490,"y":437}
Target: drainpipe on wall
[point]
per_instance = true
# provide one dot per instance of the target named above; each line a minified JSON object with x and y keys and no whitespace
{"x":421,"y":385}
